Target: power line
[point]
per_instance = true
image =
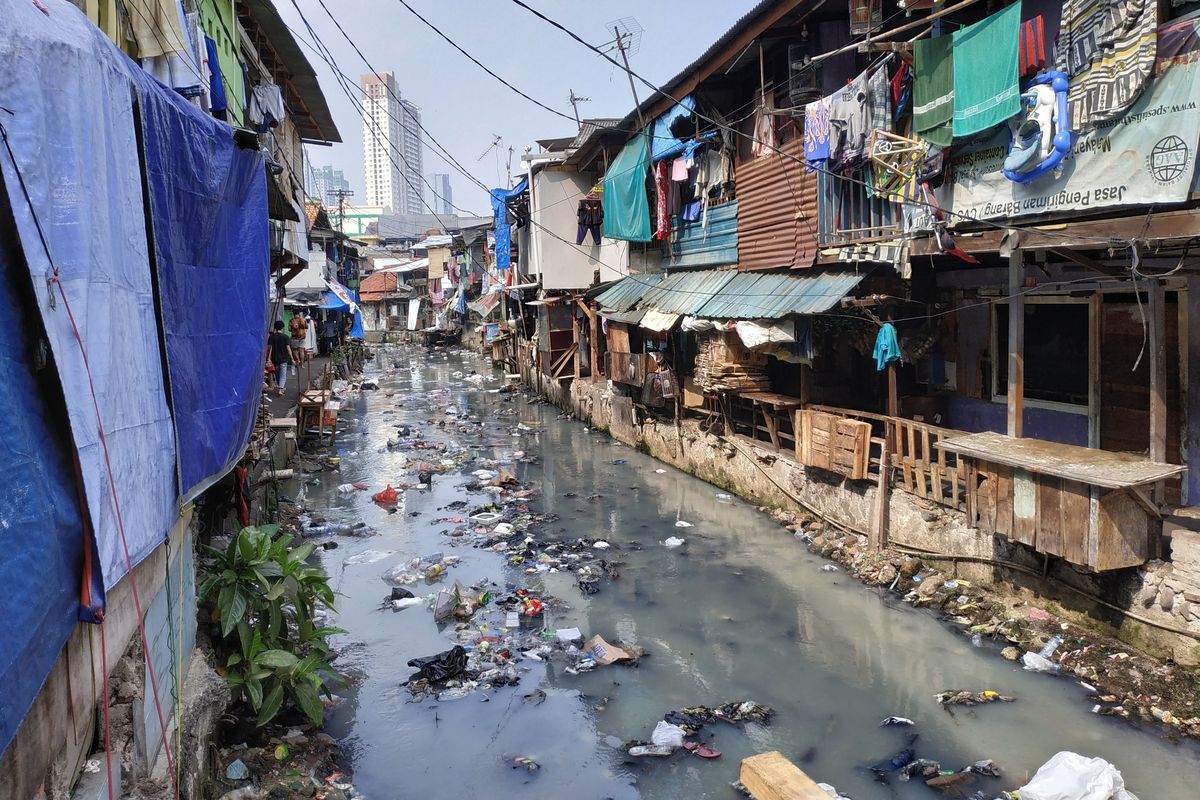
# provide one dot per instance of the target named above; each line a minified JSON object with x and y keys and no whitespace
{"x":475,"y":61}
{"x":659,"y":90}
{"x":328,"y":57}
{"x":554,"y":234}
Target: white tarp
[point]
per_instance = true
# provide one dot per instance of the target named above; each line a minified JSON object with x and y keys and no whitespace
{"x":414,"y":312}
{"x":757,"y":334}
{"x":1146,"y":157}
{"x":71,"y":128}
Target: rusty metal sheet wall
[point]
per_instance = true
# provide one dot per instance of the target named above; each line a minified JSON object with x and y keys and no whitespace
{"x":777,"y":211}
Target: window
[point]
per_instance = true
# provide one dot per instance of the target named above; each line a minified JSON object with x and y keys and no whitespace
{"x":1057,"y":348}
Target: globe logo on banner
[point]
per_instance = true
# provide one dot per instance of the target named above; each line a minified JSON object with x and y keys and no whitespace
{"x":1168,"y":159}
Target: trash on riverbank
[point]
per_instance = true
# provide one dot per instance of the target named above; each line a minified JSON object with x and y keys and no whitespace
{"x":605,"y":654}
{"x":673,"y":541}
{"x":1070,"y":776}
{"x":957,"y":697}
{"x":439,"y":667}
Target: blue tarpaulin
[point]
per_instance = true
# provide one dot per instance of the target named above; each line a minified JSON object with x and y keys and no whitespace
{"x":42,"y":557}
{"x":331,"y":302}
{"x":500,"y":198}
{"x":208,"y":201}
{"x":626,"y":207}
{"x":72,"y":128}
{"x":356,"y":328}
{"x":665,"y":144}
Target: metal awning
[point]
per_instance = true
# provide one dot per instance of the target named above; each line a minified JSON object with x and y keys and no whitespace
{"x":627,"y":292}
{"x":727,"y":294}
{"x":659,"y":321}
{"x":625,"y":317}
{"x":485,"y":305}
{"x":759,"y":295}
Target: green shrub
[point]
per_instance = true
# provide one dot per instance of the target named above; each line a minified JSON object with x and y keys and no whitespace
{"x":264,"y":596}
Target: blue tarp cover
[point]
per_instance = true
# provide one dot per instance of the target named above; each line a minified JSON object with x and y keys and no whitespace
{"x":70,"y":121}
{"x":41,"y":560}
{"x":208,"y":201}
{"x":665,"y":145}
{"x":500,"y":198}
{"x":626,"y":207}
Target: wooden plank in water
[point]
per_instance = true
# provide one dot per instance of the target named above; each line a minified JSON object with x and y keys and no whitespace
{"x":770,"y":776}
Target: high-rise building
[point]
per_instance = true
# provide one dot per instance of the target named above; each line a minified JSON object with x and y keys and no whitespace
{"x":324,"y":180}
{"x":443,"y":196}
{"x":392,"y":149}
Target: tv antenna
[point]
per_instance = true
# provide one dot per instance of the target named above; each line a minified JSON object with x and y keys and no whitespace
{"x":627,"y":33}
{"x":497,"y":140}
{"x":575,"y":100}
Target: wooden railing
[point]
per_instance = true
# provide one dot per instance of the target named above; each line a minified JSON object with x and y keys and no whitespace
{"x":928,"y":471}
{"x":924,"y":469}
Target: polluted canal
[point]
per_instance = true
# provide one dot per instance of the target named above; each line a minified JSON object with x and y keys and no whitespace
{"x":740,"y":612}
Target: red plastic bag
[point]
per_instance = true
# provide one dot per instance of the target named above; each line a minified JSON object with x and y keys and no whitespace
{"x":387,"y":497}
{"x":532,"y":607}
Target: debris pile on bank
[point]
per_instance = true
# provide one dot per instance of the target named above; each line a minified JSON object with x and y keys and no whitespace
{"x":1120,"y":683}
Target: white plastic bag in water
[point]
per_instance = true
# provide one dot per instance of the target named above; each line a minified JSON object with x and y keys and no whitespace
{"x":1070,"y":776}
{"x":667,"y":734}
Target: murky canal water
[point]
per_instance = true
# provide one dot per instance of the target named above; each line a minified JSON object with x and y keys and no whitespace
{"x":742,"y":611}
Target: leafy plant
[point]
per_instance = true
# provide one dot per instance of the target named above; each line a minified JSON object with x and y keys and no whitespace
{"x":265,"y":596}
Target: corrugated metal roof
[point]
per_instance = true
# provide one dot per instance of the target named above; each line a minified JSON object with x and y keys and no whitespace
{"x":625,"y":293}
{"x":625,"y":317}
{"x":658,"y":322}
{"x":686,"y":292}
{"x":776,"y":295}
{"x":711,"y":245}
{"x":777,"y":211}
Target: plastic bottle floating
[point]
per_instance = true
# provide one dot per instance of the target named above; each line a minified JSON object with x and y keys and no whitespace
{"x":1041,"y":141}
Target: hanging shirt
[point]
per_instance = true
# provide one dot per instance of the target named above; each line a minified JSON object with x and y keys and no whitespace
{"x":816,"y":133}
{"x":849,"y":124}
{"x":887,"y":348}
{"x":679,"y":169}
{"x":1108,"y":48}
{"x":879,"y":101}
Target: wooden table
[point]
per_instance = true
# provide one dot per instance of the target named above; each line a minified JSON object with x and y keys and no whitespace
{"x":310,"y":402}
{"x":776,"y":402}
{"x":1087,"y":506}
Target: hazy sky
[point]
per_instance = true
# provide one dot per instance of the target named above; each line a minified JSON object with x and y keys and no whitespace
{"x":462,"y":106}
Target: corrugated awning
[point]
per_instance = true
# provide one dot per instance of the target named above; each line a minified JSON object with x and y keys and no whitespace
{"x":726,"y":294}
{"x":773,"y":295}
{"x":624,"y":317}
{"x":627,"y":292}
{"x":659,"y":321}
{"x":485,"y":305}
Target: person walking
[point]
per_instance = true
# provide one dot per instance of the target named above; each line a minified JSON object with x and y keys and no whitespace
{"x":298,"y":327}
{"x":279,"y":350}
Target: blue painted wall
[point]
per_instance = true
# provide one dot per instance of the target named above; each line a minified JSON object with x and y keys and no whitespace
{"x":971,"y":415}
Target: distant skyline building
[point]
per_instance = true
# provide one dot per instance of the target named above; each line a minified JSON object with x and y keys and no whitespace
{"x":392,"y":149}
{"x":324,"y":180}
{"x":443,"y":195}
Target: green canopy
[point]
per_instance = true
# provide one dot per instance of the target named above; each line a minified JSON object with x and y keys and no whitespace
{"x":626,"y":207}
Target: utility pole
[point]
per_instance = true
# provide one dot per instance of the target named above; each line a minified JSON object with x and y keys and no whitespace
{"x":575,"y":100}
{"x":341,"y":195}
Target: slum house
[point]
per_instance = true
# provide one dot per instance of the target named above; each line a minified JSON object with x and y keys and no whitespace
{"x":985,"y":313}
{"x":386,"y":294}
{"x":184,"y":229}
{"x":453,"y":279}
{"x":558,"y":211}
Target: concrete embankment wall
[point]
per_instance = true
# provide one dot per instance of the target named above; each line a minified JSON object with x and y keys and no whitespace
{"x":1159,"y":593}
